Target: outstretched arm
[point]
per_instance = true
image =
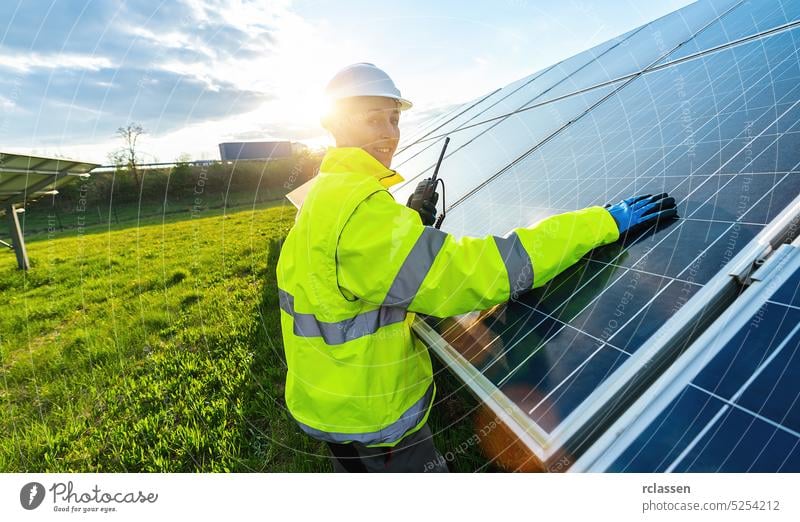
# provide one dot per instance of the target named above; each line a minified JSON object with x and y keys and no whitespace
{"x":386,"y":256}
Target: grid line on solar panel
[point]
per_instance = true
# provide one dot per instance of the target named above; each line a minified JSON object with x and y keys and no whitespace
{"x":644,"y":50}
{"x":732,"y":404}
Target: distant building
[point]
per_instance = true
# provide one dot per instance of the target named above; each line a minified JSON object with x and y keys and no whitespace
{"x":258,"y":150}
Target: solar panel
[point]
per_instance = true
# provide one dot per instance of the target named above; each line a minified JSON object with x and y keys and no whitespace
{"x":720,"y":132}
{"x":25,"y":178}
{"x":732,"y":401}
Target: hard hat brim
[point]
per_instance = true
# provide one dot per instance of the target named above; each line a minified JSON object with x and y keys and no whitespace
{"x":404,"y":104}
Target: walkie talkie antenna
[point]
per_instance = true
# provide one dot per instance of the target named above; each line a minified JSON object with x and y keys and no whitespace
{"x":434,"y":181}
{"x":441,"y":157}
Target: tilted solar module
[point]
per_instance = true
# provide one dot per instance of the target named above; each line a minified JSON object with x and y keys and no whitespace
{"x":716,"y":127}
{"x":24,"y":178}
{"x":731,"y":402}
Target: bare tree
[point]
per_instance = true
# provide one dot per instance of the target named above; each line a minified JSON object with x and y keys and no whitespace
{"x":130,"y":134}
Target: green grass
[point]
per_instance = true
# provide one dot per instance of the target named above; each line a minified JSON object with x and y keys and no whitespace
{"x":154,"y":345}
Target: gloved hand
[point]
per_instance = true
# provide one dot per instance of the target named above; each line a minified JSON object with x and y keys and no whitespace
{"x":635,"y":213}
{"x":426,"y":208}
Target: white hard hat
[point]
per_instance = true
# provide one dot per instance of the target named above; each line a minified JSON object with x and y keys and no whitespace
{"x":364,"y":79}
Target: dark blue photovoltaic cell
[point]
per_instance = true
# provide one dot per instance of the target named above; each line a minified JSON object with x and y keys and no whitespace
{"x":785,"y":191}
{"x":576,"y":387}
{"x":734,"y":364}
{"x":789,"y":292}
{"x":618,"y":303}
{"x":736,"y":442}
{"x":740,"y":442}
{"x":637,"y":331}
{"x":720,"y":133}
{"x":749,"y":18}
{"x":664,"y":439}
{"x":775,"y":393}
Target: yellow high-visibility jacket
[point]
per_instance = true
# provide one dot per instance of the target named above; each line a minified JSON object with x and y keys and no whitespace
{"x":355,"y":268}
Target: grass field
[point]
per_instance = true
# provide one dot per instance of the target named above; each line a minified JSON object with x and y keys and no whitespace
{"x":154,"y":345}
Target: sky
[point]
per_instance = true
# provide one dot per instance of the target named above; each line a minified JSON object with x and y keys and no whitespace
{"x":195,"y":73}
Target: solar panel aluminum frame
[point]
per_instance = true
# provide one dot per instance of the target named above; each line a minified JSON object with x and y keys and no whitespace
{"x":584,"y":425}
{"x":784,"y":262}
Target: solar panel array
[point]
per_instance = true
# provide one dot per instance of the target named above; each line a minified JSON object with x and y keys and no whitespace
{"x":703,"y":104}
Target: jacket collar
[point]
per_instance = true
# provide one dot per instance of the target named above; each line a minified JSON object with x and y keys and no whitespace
{"x":356,"y":159}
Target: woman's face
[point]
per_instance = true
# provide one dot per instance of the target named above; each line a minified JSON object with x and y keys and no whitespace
{"x":368,"y":122}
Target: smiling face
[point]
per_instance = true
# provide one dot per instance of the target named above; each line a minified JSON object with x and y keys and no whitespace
{"x":368,"y":122}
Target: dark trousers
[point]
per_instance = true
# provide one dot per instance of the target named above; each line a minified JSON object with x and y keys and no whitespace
{"x":414,"y":454}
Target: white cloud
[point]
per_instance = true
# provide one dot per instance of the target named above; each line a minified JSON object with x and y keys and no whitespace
{"x":27,"y":61}
{"x":6,"y":104}
{"x":245,"y":15}
{"x":172,"y":40}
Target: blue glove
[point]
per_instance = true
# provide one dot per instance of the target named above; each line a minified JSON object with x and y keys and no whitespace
{"x":639,"y":212}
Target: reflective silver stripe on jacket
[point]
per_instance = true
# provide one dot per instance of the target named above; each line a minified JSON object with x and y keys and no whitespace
{"x":391,"y":433}
{"x":518,"y":263}
{"x":366,"y":323}
{"x":415,"y":267}
{"x":393,"y":310}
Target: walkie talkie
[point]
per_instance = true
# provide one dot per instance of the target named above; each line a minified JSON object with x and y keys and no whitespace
{"x":426,"y":192}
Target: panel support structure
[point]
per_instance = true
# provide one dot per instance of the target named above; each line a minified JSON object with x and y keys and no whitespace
{"x":16,"y":237}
